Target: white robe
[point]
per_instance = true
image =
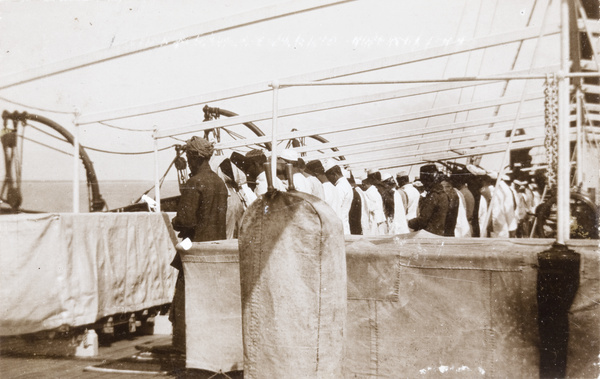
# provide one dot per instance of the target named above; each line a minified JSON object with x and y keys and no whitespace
{"x":346,"y":195}
{"x":301,"y":183}
{"x":413,"y":196}
{"x":377,"y":225}
{"x":398,"y":224}
{"x":331,"y":196}
{"x":463,"y":228}
{"x":316,"y":187}
{"x":261,"y":184}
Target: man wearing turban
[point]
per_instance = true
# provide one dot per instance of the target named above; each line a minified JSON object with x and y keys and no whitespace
{"x":201,"y":216}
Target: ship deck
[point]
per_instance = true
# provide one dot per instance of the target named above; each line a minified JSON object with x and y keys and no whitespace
{"x":19,"y":360}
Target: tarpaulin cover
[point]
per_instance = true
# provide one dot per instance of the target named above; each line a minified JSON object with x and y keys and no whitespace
{"x":73,"y":269}
{"x":293,"y":282}
{"x":425,"y":306}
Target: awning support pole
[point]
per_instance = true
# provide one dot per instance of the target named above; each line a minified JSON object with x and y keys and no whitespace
{"x":156,"y":171}
{"x":275,"y":85}
{"x":564,"y":167}
{"x":76,"y":163}
{"x":579,"y":146}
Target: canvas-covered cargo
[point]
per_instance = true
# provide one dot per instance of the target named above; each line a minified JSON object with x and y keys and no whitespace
{"x":427,"y":306}
{"x":213,"y":307}
{"x":73,"y":269}
{"x":293,"y":287}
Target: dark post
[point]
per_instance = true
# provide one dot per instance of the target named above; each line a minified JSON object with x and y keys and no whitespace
{"x":290,"y":176}
{"x":269,"y":174}
{"x":557,"y":284}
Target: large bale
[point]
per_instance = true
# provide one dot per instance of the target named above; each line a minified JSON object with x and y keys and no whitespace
{"x":293,"y":281}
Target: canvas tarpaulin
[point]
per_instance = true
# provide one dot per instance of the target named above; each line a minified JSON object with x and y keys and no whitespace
{"x":73,"y":269}
{"x":293,"y":283}
{"x":422,"y":306}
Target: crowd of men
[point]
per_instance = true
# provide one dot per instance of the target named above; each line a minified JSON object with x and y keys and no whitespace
{"x":220,"y":189}
{"x":454,"y":205}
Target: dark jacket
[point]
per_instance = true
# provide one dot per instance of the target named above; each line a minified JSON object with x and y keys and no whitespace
{"x":432,"y":212}
{"x":355,"y":214}
{"x":202,"y":209}
{"x":452,"y":214}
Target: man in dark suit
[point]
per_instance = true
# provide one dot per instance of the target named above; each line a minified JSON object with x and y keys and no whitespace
{"x":201,"y":216}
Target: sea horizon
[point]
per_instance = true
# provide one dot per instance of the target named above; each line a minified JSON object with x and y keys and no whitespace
{"x":57,"y":195}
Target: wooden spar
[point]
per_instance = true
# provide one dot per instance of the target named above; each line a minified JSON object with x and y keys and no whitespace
{"x":315,"y":107}
{"x":473,"y":124}
{"x":440,"y":155}
{"x":590,"y":88}
{"x":413,"y":81}
{"x":593,"y":117}
{"x":588,"y":65}
{"x":380,"y":121}
{"x":592,"y":25}
{"x":336,"y":72}
{"x":421,"y":157}
{"x":164,"y":39}
{"x":593,"y":108}
{"x":398,"y":155}
{"x":387,"y":144}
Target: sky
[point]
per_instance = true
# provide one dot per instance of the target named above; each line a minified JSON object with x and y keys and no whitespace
{"x":38,"y":33}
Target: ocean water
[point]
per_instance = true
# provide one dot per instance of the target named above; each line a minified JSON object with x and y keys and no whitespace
{"x":57,"y":196}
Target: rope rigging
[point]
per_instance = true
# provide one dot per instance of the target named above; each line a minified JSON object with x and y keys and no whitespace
{"x":36,"y":108}
{"x":46,"y":146}
{"x":123,"y":128}
{"x":89,"y":147}
{"x":126,"y":152}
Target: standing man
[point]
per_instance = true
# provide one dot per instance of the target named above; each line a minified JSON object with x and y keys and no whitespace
{"x":301,"y":182}
{"x":434,"y":206}
{"x":453,"y":207}
{"x":459,"y":180}
{"x":201,"y":216}
{"x":344,"y":189}
{"x":413,"y":195}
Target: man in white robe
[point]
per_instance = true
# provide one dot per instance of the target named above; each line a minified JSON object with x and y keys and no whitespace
{"x":345,"y":194}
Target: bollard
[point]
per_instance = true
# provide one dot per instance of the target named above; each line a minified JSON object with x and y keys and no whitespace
{"x":88,"y":347}
{"x":557,"y":284}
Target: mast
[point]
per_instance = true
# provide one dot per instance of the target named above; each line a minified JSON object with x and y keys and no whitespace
{"x":564,"y":166}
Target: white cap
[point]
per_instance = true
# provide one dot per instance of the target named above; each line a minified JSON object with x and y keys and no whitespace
{"x":493,"y":175}
{"x":327,"y":164}
{"x":215,"y":162}
{"x":475,"y":170}
{"x":371,"y":171}
{"x":289,"y":155}
{"x":385,"y":176}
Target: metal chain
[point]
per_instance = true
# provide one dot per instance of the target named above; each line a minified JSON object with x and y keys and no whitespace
{"x":551,"y":127}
